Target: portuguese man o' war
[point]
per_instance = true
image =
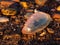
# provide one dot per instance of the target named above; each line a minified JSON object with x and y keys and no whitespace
{"x":36,"y":22}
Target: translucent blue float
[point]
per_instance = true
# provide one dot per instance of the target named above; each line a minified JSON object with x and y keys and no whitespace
{"x":37,"y":22}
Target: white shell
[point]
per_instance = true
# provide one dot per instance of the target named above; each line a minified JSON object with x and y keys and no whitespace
{"x":3,"y":19}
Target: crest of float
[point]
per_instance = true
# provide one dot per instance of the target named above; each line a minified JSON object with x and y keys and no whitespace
{"x":36,"y":22}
